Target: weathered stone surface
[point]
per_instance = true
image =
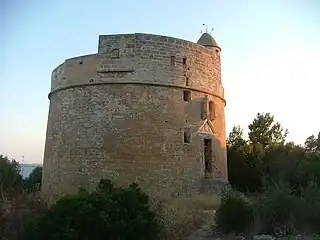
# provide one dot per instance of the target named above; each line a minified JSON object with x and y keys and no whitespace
{"x":120,"y":114}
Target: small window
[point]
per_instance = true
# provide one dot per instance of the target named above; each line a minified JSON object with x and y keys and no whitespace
{"x":187,"y":136}
{"x":218,"y":55}
{"x":184,"y":62}
{"x":173,"y":61}
{"x":115,"y":53}
{"x":212,"y":113}
{"x":187,"y":96}
{"x":187,"y":81}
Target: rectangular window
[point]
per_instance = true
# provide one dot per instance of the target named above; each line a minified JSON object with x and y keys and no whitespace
{"x":187,"y":136}
{"x":115,"y":53}
{"x":208,"y":158}
{"x":184,"y":62}
{"x":187,"y":81}
{"x":172,"y":61}
{"x":187,"y":96}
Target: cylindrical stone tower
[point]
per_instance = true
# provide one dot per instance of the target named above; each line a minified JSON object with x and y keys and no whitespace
{"x":146,"y":108}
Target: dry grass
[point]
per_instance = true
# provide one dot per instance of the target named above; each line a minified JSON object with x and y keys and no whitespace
{"x":180,"y":216}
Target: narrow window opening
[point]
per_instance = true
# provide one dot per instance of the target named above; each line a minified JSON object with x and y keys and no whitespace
{"x":212,"y":113}
{"x":218,"y":55}
{"x":184,"y":62}
{"x":187,"y":96}
{"x":187,"y":136}
{"x":208,"y":157}
{"x":173,"y":61}
{"x":187,"y":81}
{"x":115,"y":53}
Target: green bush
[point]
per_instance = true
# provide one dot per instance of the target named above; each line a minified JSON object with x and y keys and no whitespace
{"x":277,"y":208}
{"x":10,"y":177}
{"x":107,"y":213}
{"x":244,"y":170}
{"x":33,"y":182}
{"x":235,"y":214}
{"x":310,"y":214}
{"x":277,"y":211}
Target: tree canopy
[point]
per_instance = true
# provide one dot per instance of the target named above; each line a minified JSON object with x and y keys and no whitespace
{"x":267,"y":156}
{"x":9,"y":173}
{"x":265,"y":131}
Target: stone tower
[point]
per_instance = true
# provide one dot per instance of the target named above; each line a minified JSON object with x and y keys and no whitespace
{"x":145,"y":108}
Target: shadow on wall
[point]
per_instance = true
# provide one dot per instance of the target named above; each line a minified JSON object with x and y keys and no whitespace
{"x":214,"y":178}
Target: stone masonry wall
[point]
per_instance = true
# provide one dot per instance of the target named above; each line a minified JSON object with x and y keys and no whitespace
{"x":120,"y":114}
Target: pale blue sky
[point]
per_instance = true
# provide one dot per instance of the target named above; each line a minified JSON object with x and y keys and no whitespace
{"x":270,"y":56}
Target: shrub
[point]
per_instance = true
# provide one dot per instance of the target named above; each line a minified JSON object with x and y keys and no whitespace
{"x":16,"y":209}
{"x":107,"y":213}
{"x":33,"y":182}
{"x":277,"y":208}
{"x":16,"y":206}
{"x":310,"y":216}
{"x":10,"y":177}
{"x":235,"y":214}
{"x":244,"y":168}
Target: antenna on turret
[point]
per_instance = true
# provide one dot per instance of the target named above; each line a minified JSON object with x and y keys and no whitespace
{"x":206,"y":31}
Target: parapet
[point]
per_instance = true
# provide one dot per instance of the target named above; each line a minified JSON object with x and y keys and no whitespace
{"x":140,"y":58}
{"x":75,"y":71}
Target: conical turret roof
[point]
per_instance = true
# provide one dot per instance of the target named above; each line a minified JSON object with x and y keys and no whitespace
{"x":207,"y":40}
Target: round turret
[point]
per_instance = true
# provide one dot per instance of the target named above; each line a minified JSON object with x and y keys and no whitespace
{"x":208,"y":41}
